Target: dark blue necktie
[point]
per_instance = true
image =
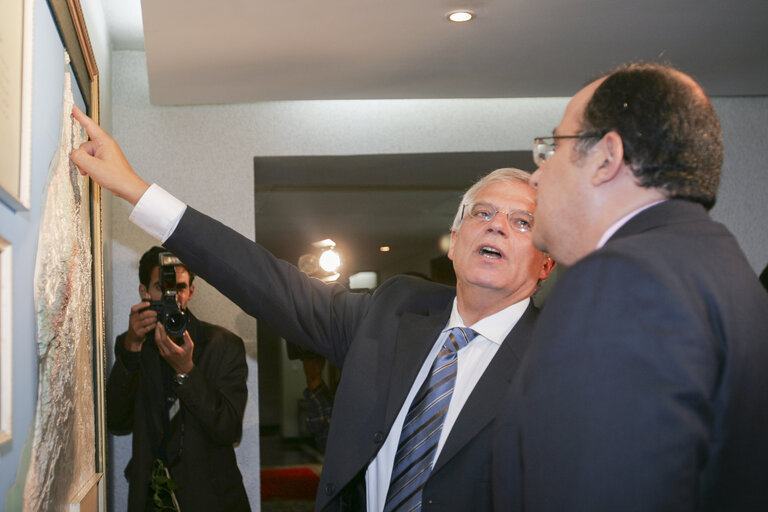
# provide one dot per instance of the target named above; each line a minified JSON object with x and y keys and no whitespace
{"x":423,"y":425}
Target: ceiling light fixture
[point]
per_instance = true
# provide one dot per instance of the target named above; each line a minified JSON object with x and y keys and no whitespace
{"x":460,"y":16}
{"x":385,"y":248}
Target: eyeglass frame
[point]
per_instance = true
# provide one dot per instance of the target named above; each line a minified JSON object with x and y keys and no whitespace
{"x":495,"y":212}
{"x":539,"y":161}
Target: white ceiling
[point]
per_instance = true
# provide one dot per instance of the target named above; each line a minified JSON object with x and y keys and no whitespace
{"x":234,"y":51}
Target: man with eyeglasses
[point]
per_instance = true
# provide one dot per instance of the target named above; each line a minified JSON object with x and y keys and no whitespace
{"x":423,"y":365}
{"x":645,"y":387}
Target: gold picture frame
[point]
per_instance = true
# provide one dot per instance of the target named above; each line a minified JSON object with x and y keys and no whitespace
{"x":6,"y":345}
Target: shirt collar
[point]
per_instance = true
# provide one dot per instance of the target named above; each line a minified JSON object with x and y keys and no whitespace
{"x":617,"y":225}
{"x":494,"y":327}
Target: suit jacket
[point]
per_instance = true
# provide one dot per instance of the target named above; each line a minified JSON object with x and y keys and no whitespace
{"x":645,"y":387}
{"x":379,"y":341}
{"x":200,"y":454}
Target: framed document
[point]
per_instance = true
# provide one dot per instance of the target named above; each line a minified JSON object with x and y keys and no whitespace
{"x":15,"y":102}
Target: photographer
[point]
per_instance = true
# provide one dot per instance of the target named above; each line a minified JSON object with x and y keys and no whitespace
{"x":182,"y":397}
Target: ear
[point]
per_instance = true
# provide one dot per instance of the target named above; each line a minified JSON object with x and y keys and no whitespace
{"x":546,"y":269}
{"x":610,"y":154}
{"x":450,"y":249}
{"x":143,"y":292}
{"x":191,"y":291}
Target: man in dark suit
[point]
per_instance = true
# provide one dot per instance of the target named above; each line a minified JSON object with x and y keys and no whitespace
{"x":645,"y":387}
{"x":183,"y":401}
{"x":385,"y":343}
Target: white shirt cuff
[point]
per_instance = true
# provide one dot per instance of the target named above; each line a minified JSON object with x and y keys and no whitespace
{"x":157,"y":212}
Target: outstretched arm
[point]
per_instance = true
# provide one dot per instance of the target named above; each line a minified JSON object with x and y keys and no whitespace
{"x":103,"y":160}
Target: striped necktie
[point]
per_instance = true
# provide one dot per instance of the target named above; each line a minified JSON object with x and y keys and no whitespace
{"x":423,"y":425}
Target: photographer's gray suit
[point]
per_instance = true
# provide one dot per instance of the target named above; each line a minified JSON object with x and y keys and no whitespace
{"x":380,"y":342}
{"x":646,"y":384}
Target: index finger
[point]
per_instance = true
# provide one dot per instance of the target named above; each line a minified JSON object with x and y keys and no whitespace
{"x":141,"y":305}
{"x":91,"y":127}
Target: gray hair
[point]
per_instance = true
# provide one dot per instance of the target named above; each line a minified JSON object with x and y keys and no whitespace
{"x":503,"y":174}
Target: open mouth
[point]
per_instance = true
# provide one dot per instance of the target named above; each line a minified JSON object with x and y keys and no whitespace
{"x":489,"y":252}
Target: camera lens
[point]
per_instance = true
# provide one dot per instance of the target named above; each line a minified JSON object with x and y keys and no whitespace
{"x":176,"y":323}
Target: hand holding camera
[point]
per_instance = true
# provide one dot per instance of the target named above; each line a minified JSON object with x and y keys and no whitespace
{"x":170,"y":287}
{"x":178,"y":354}
{"x":141,"y":322}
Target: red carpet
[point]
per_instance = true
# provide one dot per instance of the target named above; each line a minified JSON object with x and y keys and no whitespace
{"x":289,"y":483}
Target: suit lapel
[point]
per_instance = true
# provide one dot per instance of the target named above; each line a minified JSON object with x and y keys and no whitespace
{"x":482,"y":404}
{"x":415,"y":337}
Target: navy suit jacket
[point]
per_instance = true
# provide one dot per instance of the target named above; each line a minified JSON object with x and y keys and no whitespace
{"x":646,"y":384}
{"x":380,"y":342}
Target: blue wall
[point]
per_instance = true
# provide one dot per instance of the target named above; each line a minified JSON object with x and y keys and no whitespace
{"x":20,"y":229}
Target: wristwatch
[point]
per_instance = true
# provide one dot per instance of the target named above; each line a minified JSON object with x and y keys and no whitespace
{"x":180,"y":378}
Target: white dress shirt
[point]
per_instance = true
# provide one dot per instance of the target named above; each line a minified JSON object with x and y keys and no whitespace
{"x":473,"y":359}
{"x":617,"y":225}
{"x":157,"y":212}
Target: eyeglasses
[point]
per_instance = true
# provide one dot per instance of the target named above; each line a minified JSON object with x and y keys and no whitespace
{"x":520,"y":220}
{"x":544,"y":147}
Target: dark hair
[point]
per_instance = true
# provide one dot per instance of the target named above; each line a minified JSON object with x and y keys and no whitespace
{"x":149,"y":261}
{"x":671,"y":135}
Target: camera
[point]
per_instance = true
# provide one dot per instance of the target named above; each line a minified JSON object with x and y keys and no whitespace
{"x":168,"y":312}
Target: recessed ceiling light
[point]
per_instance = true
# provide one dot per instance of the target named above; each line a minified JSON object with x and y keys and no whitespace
{"x":460,"y":16}
{"x":385,"y":248}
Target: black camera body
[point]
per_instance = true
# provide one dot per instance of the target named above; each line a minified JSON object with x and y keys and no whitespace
{"x":168,"y":311}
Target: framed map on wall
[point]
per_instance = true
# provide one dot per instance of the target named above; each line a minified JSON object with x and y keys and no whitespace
{"x":68,"y":449}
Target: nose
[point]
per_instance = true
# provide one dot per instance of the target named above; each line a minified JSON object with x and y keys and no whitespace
{"x":499,"y":224}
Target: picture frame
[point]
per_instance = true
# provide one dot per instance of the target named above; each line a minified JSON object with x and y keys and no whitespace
{"x":68,"y":17}
{"x":16,"y":46}
{"x":70,"y":23}
{"x":6,"y":345}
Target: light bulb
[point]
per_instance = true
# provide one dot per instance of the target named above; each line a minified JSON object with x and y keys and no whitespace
{"x":330,"y":260}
